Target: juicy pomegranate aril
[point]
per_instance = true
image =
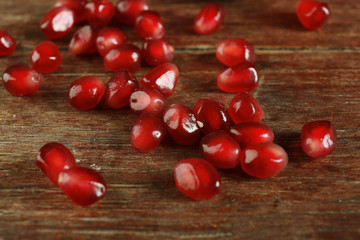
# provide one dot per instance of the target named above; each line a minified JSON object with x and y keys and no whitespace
{"x":127,"y":10}
{"x":99,"y":12}
{"x":157,"y":51}
{"x":109,"y":38}
{"x":149,"y":25}
{"x":83,"y":185}
{"x":7,"y":43}
{"x":124,"y":56}
{"x":78,"y":6}
{"x":245,"y":108}
{"x":197,"y":179}
{"x":312,"y":14}
{"x":45,"y":57}
{"x":235,"y":51}
{"x":57,"y":22}
{"x":54,"y":158}
{"x":209,"y":18}
{"x":147,"y":100}
{"x":84,"y":40}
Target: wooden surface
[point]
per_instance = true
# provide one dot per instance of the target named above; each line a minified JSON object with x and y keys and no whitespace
{"x":305,"y":76}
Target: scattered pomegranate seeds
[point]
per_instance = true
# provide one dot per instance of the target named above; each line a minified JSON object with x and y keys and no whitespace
{"x":263,"y":160}
{"x":99,"y":12}
{"x":147,"y":100}
{"x":211,"y":115}
{"x":118,"y":90}
{"x":7,"y":44}
{"x":180,"y":123}
{"x":147,"y":132}
{"x":197,"y":178}
{"x":245,"y":108}
{"x":127,"y":10}
{"x":220,"y":149}
{"x":57,"y":22}
{"x":234,"y":51}
{"x":109,"y":38}
{"x":312,"y":14}
{"x":251,"y":133}
{"x":86,"y":92}
{"x":83,"y":185}
{"x":124,"y":56}
{"x":84,"y":40}
{"x":163,"y":78}
{"x":209,"y":19}
{"x":149,"y":25}
{"x":54,"y":158}
{"x":157,"y":51}
{"x":78,"y":6}
{"x":45,"y":57}
{"x":318,"y":139}
{"x":21,"y":80}
{"x":239,"y":78}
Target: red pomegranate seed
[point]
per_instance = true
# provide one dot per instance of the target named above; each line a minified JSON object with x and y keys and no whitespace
{"x":84,"y":40}
{"x":118,"y":90}
{"x":99,"y":12}
{"x":147,"y":100}
{"x":149,"y":25}
{"x":263,"y":160}
{"x":318,"y":139}
{"x":21,"y":80}
{"x":245,"y":108}
{"x":127,"y":10}
{"x":82,"y":185}
{"x":147,"y":132}
{"x":54,"y":158}
{"x":312,"y":14}
{"x":197,"y":178}
{"x":109,"y":38}
{"x":220,"y":149}
{"x":78,"y":6}
{"x":45,"y":57}
{"x":239,"y":78}
{"x":209,"y":19}
{"x":234,"y":51}
{"x":180,"y":123}
{"x":157,"y":51}
{"x":251,"y":133}
{"x":86,"y":92}
{"x":7,"y":44}
{"x":163,"y":78}
{"x":211,"y":115}
{"x":57,"y":22}
{"x":124,"y":56}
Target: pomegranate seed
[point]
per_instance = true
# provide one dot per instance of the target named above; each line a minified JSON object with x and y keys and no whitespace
{"x":251,"y":133}
{"x":21,"y":80}
{"x":118,"y":90}
{"x":180,"y":123}
{"x":86,"y":92}
{"x":84,"y":40}
{"x":7,"y":44}
{"x":54,"y":158}
{"x":239,"y":78}
{"x":263,"y":160}
{"x":147,"y":100}
{"x":220,"y":149}
{"x":147,"y":132}
{"x":157,"y":51}
{"x":57,"y":22}
{"x":245,"y":108}
{"x":78,"y":6}
{"x":127,"y":10}
{"x":82,"y":185}
{"x":99,"y":12}
{"x":149,"y":25}
{"x":197,"y":178}
{"x":45,"y":57}
{"x":109,"y":38}
{"x":124,"y":56}
{"x":211,"y":115}
{"x":312,"y":14}
{"x":163,"y":78}
{"x":318,"y":139}
{"x":209,"y":19}
{"x":234,"y":51}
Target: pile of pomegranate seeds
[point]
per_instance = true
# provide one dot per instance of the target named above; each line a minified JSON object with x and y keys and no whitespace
{"x":230,"y":136}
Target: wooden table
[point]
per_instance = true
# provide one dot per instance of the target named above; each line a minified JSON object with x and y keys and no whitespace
{"x":305,"y":76}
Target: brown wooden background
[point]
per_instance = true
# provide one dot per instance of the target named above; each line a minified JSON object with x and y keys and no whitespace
{"x":305,"y":76}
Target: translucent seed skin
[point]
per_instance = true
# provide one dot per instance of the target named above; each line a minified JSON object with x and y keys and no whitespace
{"x":234,"y":51}
{"x":312,"y":14}
{"x":57,"y":22}
{"x":7,"y":44}
{"x":209,"y":18}
{"x":245,"y":108}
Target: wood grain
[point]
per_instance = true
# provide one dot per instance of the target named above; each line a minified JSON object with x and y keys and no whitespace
{"x":305,"y":76}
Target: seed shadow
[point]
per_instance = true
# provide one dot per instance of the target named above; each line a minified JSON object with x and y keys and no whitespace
{"x":287,"y":20}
